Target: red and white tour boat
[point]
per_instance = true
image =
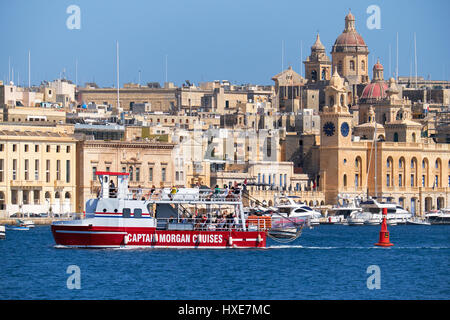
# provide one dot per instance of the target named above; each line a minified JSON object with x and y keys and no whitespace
{"x":187,"y":218}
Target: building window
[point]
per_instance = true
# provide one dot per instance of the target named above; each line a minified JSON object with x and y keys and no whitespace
{"x":47,"y":148}
{"x":356,"y":180}
{"x":423,"y":180}
{"x":436,"y":182}
{"x":26,"y":169}
{"x":47,"y":171}
{"x":14,"y":147}
{"x":36,"y":196}
{"x":36,"y":148}
{"x":14,"y":169}
{"x":1,"y":169}
{"x":388,"y":180}
{"x":177,"y":175}
{"x":68,"y":170}
{"x":130,"y":171}
{"x":412,"y":181}
{"x":163,"y":174}
{"x":36,"y":169}
{"x":25,"y":148}
{"x":352,"y":65}
{"x":68,"y":149}
{"x":345,"y":180}
{"x":395,"y":137}
{"x":138,"y":174}
{"x":94,"y":170}
{"x":340,"y":67}
{"x":150,"y":174}
{"x":400,"y":180}
{"x":2,"y":146}
{"x":58,"y":148}
{"x":58,"y":170}
{"x":26,"y":197}
{"x":14,"y":196}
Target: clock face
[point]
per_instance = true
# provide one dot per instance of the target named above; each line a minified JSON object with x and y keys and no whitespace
{"x":345,"y":129}
{"x":329,"y":128}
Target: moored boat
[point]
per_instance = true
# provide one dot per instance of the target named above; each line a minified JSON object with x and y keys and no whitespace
{"x":441,"y":216}
{"x":418,"y":221}
{"x":2,"y":232}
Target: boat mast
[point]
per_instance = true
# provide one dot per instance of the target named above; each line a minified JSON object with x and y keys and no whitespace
{"x":117,"y":63}
{"x":375,"y":146}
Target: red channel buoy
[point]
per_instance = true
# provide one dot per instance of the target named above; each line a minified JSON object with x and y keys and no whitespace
{"x":384,"y":233}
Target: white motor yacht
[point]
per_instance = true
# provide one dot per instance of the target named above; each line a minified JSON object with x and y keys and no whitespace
{"x":395,"y":213}
{"x":438,"y":216}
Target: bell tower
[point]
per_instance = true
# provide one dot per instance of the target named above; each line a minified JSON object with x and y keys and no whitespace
{"x":317,"y":65}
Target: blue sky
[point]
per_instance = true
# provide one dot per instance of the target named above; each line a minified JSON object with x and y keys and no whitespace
{"x":205,"y":40}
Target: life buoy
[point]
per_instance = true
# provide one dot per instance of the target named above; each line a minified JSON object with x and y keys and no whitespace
{"x":230,"y":241}
{"x":125,"y":239}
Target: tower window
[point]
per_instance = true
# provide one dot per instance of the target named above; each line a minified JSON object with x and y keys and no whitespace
{"x":352,"y":65}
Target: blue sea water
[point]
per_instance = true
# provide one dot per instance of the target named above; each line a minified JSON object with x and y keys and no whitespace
{"x":326,"y":262}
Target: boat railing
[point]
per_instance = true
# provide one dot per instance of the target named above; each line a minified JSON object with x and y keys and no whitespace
{"x":260,"y":223}
{"x":182,"y":194}
{"x":199,"y":224}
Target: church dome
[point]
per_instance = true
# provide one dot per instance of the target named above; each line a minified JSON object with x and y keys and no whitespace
{"x":349,"y":39}
{"x":374,"y":91}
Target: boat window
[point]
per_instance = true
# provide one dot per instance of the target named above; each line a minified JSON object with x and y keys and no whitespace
{"x":392,"y":210}
{"x":137,"y":213}
{"x":126,"y":212}
{"x":300,"y":210}
{"x":307,"y":208}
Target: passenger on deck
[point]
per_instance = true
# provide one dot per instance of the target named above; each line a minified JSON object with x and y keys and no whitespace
{"x":173,"y":192}
{"x":221,"y":222}
{"x":112,"y":189}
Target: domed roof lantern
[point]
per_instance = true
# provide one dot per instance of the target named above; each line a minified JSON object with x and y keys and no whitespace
{"x":378,"y":71}
{"x":349,"y":22}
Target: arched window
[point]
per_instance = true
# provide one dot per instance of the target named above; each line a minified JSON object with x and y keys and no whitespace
{"x":352,"y":65}
{"x":314,"y":75}
{"x":56,"y":195}
{"x":345,"y":180}
{"x":363,"y":65}
{"x":324,"y":74}
{"x":395,"y":137}
{"x":67,"y":195}
{"x":331,"y":101}
{"x":342,"y":99}
{"x":413,"y":137}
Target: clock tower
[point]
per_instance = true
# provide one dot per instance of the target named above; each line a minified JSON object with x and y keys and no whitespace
{"x":335,"y":137}
{"x":335,"y":119}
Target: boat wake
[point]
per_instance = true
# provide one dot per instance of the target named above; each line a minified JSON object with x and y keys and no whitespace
{"x":340,"y":248}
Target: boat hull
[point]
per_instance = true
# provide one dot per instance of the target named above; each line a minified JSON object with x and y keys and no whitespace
{"x":135,"y":237}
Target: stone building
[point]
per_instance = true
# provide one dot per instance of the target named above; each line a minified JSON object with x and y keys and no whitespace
{"x":148,"y":163}
{"x":402,"y":166}
{"x":37,"y":170}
